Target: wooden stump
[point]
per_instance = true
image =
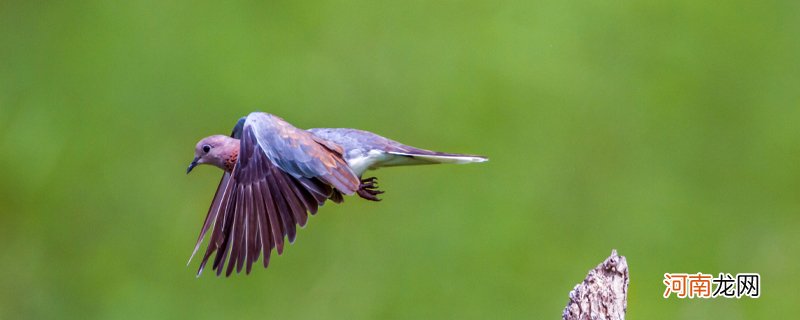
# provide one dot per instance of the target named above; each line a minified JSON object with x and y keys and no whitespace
{"x":603,"y":294}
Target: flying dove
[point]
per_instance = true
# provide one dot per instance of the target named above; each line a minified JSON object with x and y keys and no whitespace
{"x":276,"y":173}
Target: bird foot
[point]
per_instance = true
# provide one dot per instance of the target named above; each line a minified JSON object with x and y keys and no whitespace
{"x":369,"y":189}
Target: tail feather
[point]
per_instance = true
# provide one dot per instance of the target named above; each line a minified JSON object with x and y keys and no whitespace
{"x":430,"y":157}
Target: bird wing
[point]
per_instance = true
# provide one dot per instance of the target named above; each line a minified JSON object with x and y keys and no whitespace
{"x":300,"y":153}
{"x":281,"y":174}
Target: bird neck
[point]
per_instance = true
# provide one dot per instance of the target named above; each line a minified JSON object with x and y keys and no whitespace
{"x":231,"y":158}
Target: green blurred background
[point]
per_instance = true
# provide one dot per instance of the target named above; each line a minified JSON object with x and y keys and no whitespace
{"x":666,"y":130}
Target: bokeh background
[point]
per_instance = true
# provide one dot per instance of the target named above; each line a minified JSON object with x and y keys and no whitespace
{"x":667,"y":130}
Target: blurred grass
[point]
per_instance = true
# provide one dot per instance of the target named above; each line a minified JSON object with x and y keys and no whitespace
{"x":665,"y":130}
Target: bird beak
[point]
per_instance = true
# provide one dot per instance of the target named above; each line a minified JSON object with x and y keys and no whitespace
{"x":192,"y":165}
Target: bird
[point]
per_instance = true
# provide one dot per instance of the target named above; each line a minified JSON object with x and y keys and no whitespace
{"x":275,"y":174}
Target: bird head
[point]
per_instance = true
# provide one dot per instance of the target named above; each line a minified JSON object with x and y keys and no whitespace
{"x":214,"y":150}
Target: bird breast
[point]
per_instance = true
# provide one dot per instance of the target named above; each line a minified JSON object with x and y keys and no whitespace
{"x":230,"y":161}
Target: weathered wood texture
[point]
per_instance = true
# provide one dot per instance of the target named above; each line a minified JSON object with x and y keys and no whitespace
{"x":603,"y":294}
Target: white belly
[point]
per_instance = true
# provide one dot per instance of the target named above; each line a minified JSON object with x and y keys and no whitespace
{"x":360,"y":162}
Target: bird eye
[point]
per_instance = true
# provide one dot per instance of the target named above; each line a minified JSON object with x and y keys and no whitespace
{"x":206,"y":148}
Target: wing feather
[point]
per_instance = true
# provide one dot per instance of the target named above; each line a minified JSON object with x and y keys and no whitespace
{"x":276,"y":235}
{"x":283,"y":215}
{"x":235,"y":233}
{"x":252,"y":238}
{"x":225,"y":236}
{"x":219,"y":222}
{"x":263,"y":226}
{"x":213,"y":211}
{"x":299,"y":153}
{"x":296,"y":209}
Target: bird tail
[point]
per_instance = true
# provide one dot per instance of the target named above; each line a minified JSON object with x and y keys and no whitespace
{"x":419,"y":156}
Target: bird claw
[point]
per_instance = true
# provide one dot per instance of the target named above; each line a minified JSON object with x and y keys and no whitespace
{"x":369,"y":189}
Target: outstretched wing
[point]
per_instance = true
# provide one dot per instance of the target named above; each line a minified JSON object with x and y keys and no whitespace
{"x":281,"y":174}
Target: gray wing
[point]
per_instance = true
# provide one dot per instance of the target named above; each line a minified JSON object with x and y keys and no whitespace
{"x":301,"y":153}
{"x":281,"y":174}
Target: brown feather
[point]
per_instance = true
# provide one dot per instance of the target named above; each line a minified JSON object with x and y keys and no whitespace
{"x":213,"y":211}
{"x":263,"y":227}
{"x":297,"y":210}
{"x":215,"y":241}
{"x":284,"y":214}
{"x":272,"y":215}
